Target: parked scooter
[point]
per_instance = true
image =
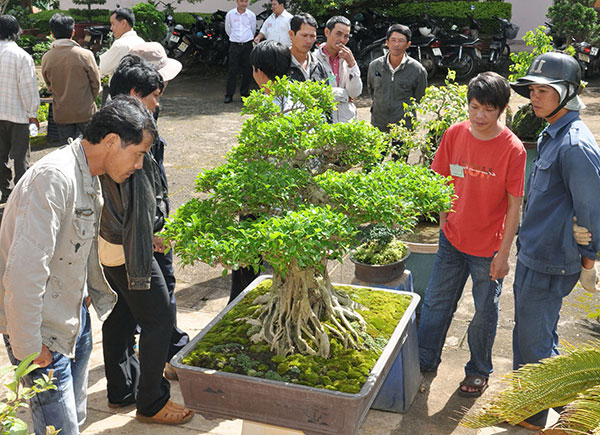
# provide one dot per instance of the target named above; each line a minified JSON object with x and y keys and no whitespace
{"x":94,"y":37}
{"x":588,"y":58}
{"x":498,"y":56}
{"x":219,"y":41}
{"x":460,"y":52}
{"x":189,"y":45}
{"x":425,"y":47}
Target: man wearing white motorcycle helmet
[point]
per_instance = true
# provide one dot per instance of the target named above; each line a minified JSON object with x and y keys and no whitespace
{"x":564,"y":183}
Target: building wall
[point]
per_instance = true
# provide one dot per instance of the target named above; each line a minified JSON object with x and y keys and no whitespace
{"x":528,"y":14}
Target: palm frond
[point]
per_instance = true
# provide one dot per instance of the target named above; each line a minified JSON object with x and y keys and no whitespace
{"x":583,"y":414}
{"x":534,"y":387}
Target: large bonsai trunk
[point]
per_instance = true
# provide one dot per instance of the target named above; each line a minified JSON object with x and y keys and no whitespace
{"x":294,"y":313}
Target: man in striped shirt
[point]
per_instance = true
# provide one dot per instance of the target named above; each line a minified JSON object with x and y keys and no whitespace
{"x":19,"y":102}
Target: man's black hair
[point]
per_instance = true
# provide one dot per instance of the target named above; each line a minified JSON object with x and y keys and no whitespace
{"x":124,"y":14}
{"x":272,"y":58}
{"x":400,"y":28}
{"x":281,"y":2}
{"x":9,"y":28}
{"x":302,"y":18}
{"x":338,"y":19}
{"x":125,"y":116}
{"x":61,"y":26}
{"x":135,"y":73}
{"x":489,"y":89}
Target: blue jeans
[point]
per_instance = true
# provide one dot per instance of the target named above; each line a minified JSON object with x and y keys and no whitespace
{"x":65,"y":407}
{"x":450,"y":272}
{"x":538,"y":299}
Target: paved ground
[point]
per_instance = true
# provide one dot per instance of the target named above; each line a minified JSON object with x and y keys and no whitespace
{"x":200,"y":129}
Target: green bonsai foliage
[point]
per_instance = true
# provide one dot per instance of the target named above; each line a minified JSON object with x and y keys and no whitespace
{"x":440,"y":107}
{"x":572,"y":379}
{"x":574,"y":19}
{"x":149,"y":21}
{"x":380,"y":247}
{"x":89,"y":4}
{"x":304,"y":182}
{"x":526,"y":125}
{"x":18,"y":395}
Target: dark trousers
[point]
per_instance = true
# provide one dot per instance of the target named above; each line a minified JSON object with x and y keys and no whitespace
{"x":239,"y":62}
{"x":178,"y":338}
{"x":73,"y":131}
{"x":130,"y":380}
{"x":14,"y":142}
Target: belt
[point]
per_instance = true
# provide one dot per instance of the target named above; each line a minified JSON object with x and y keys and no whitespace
{"x":241,"y":43}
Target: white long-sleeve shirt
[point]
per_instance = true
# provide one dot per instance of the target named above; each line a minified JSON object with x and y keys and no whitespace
{"x":120,"y":48}
{"x":19,"y":96}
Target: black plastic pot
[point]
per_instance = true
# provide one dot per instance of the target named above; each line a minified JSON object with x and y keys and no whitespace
{"x":379,"y":273}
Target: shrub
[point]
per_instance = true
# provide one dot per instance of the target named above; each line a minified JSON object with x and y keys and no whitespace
{"x":149,"y":22}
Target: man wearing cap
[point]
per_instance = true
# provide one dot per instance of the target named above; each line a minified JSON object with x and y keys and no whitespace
{"x":564,"y":183}
{"x":154,"y":53}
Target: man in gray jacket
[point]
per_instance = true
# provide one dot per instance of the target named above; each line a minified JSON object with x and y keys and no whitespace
{"x":49,"y":257}
{"x":394,"y":79}
{"x":341,"y":68}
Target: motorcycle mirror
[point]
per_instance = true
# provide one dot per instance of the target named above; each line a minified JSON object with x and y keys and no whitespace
{"x":472,"y":7}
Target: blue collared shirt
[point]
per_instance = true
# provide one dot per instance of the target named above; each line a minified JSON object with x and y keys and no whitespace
{"x":564,"y":182}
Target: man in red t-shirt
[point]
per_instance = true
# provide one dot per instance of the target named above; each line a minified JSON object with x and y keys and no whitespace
{"x":487,"y":164}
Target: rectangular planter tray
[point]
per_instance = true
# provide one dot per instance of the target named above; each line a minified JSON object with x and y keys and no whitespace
{"x":215,"y":394}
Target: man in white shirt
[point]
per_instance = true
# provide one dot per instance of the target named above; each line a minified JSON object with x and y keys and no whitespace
{"x":341,"y":67}
{"x":277,"y":26}
{"x":240,"y":25}
{"x":19,"y":102}
{"x":122,"y":21}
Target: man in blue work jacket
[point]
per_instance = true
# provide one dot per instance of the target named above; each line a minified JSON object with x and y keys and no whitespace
{"x":564,"y":183}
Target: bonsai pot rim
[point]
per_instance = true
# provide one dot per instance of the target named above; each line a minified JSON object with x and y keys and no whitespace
{"x":218,"y":387}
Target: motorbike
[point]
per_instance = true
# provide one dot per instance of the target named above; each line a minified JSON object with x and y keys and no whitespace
{"x":460,"y":52}
{"x":218,"y":52}
{"x":425,"y":47}
{"x":498,"y":56}
{"x":95,"y":36}
{"x":187,"y":45}
{"x":588,"y":58}
{"x":170,"y":23}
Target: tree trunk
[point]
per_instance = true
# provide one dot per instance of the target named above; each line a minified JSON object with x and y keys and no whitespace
{"x":294,"y":311}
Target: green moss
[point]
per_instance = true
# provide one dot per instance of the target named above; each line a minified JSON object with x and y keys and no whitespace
{"x":380,"y":253}
{"x":227,"y":346}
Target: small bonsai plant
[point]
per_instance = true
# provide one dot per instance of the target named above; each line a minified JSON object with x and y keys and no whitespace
{"x":89,"y":4}
{"x":440,"y":107}
{"x":305,"y":182}
{"x":381,"y":247}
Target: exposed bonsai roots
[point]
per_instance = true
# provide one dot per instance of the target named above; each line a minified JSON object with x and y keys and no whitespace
{"x":292,"y":315}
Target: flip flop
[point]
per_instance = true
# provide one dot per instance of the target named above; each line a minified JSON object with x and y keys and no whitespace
{"x":171,"y":413}
{"x":478,"y":383}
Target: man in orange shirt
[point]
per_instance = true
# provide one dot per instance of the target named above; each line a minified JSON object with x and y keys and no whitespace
{"x":487,"y":164}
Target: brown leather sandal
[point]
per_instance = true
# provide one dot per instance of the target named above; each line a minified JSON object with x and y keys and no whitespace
{"x":171,"y":413}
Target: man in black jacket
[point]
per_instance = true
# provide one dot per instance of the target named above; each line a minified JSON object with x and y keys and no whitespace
{"x":133,"y":212}
{"x":303,"y":33}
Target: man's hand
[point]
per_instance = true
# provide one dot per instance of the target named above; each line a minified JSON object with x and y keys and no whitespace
{"x":346,"y":54}
{"x":34,"y":121}
{"x":44,"y":358}
{"x":499,"y":266}
{"x":582,"y":235}
{"x":588,"y":279}
{"x":258,"y":38}
{"x":159,"y":244}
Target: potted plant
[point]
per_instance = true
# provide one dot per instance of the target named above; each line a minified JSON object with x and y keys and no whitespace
{"x":381,"y":257}
{"x":305,"y":182}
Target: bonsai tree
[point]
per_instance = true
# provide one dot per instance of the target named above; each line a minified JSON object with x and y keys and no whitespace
{"x":574,"y":20}
{"x":310,"y":185}
{"x":572,"y":379}
{"x":440,"y":107}
{"x":89,"y":4}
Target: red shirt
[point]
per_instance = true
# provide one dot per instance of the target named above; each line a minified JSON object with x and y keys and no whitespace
{"x":483,"y":172}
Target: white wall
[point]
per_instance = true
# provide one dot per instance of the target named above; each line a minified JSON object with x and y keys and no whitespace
{"x":207,"y":6}
{"x":528,"y":14}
